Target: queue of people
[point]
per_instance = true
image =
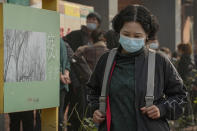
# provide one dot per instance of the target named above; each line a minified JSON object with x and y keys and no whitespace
{"x":84,"y":55}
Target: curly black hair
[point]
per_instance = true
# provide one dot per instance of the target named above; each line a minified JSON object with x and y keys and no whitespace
{"x":140,"y":14}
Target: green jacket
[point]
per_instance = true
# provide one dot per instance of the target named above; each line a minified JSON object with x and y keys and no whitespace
{"x":64,"y":62}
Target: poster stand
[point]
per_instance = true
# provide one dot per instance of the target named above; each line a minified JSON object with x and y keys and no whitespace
{"x":49,"y":117}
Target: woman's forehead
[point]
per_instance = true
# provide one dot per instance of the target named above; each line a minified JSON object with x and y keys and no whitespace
{"x":130,"y":27}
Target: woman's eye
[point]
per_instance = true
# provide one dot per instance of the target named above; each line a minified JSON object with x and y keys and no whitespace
{"x":126,"y":34}
{"x":137,"y":36}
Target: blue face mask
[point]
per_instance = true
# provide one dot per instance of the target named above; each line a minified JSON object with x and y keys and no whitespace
{"x":131,"y":44}
{"x":154,"y":46}
{"x":91,"y":26}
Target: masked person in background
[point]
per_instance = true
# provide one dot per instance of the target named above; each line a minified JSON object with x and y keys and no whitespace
{"x":187,"y":71}
{"x":153,"y":44}
{"x":82,"y":37}
{"x":127,"y":82}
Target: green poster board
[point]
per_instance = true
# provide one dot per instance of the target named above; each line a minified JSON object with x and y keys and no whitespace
{"x":31,"y":58}
{"x":20,"y":2}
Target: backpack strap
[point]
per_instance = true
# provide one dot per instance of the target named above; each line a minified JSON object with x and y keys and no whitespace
{"x":102,"y":99}
{"x":149,"y":98}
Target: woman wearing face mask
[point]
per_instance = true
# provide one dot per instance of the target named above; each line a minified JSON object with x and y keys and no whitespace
{"x":126,"y":90}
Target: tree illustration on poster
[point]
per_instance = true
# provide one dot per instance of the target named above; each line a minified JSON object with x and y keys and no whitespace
{"x":24,"y":56}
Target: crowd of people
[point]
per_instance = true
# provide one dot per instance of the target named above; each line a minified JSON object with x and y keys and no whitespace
{"x":83,"y":58}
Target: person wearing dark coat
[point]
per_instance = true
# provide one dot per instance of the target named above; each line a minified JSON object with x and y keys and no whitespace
{"x":27,"y":118}
{"x":76,"y":39}
{"x":126,"y":108}
{"x":185,"y":63}
{"x":187,"y":70}
{"x":82,"y":37}
{"x":91,"y":54}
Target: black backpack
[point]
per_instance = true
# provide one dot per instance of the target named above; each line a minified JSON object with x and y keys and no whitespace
{"x":81,"y":68}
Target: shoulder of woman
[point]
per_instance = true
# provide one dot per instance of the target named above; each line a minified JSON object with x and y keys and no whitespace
{"x":158,"y":55}
{"x":164,"y":61}
{"x":162,"y":56}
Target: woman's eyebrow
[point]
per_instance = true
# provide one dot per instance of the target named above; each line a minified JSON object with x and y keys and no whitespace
{"x":126,"y":31}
